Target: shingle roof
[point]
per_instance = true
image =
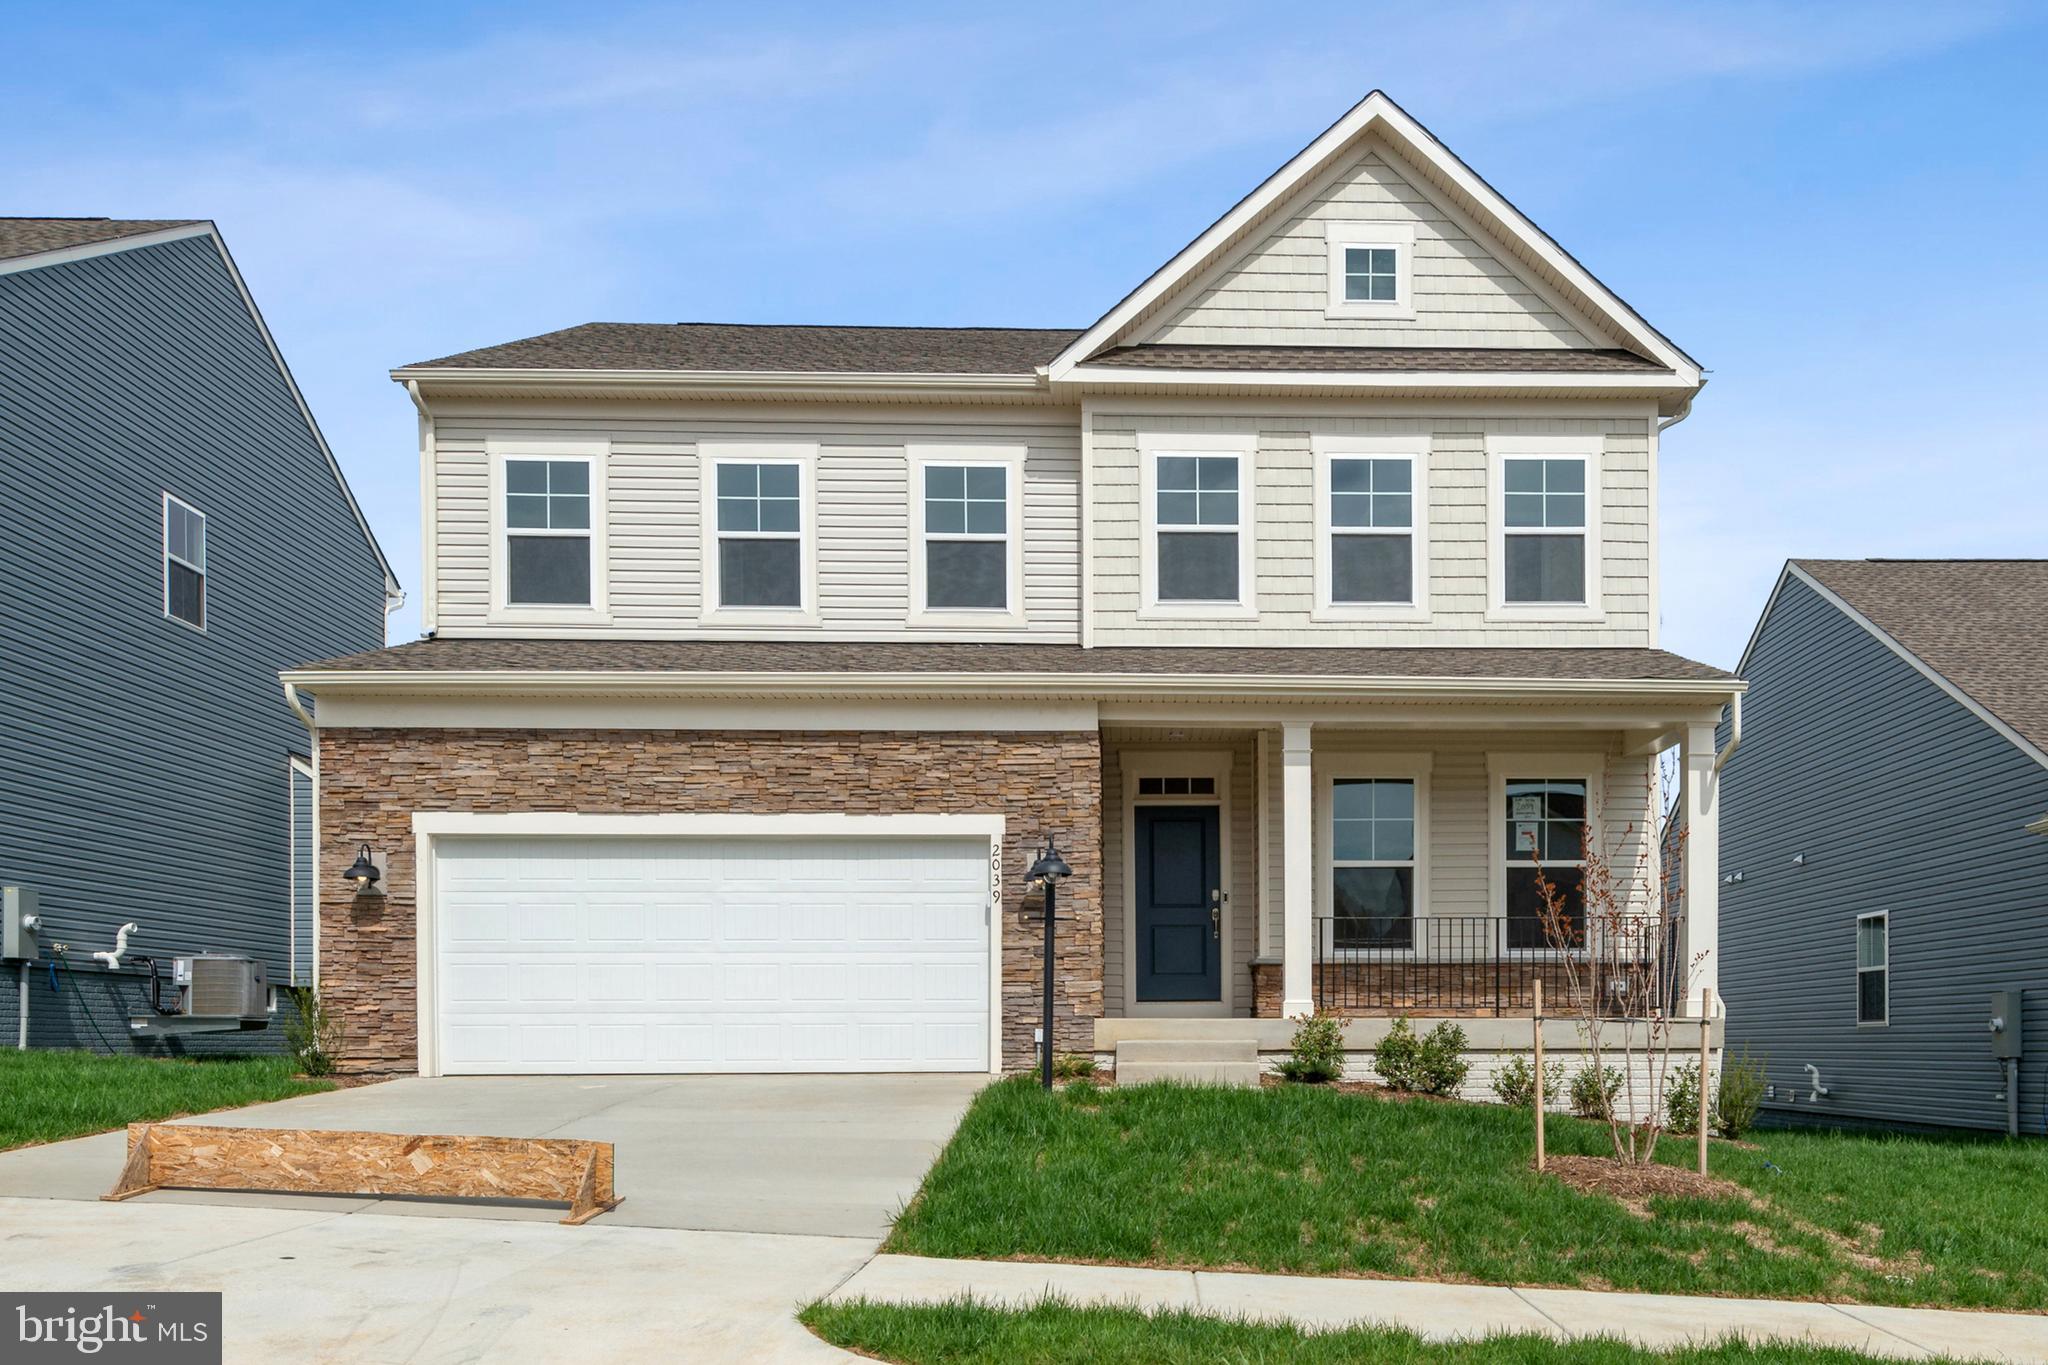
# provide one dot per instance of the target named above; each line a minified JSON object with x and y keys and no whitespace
{"x":1369,"y":359}
{"x":743,"y":347}
{"x":1980,"y":623}
{"x":806,"y":656}
{"x":30,"y":236}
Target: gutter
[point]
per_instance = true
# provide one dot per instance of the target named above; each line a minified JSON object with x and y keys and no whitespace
{"x":1108,"y":686}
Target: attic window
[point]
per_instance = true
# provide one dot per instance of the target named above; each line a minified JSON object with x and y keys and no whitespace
{"x":1372,"y":269}
{"x":1369,"y":273}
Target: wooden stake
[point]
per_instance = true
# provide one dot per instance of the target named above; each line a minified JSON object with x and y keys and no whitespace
{"x":1706,"y":1031}
{"x":1537,"y":1015}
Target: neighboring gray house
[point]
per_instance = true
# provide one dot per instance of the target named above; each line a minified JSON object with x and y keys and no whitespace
{"x":1881,"y":878}
{"x":177,"y":532}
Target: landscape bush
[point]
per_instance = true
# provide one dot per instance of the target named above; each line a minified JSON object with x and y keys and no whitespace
{"x":1514,"y":1084}
{"x":1440,"y":1065}
{"x":1682,"y":1098}
{"x":1394,"y":1056}
{"x":1739,"y":1095}
{"x":1318,"y":1054}
{"x":1593,"y":1089}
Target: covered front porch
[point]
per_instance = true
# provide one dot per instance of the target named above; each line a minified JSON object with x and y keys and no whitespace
{"x":1380,"y":858}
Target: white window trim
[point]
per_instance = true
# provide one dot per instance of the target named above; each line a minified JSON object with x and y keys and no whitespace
{"x":1152,"y":446}
{"x":1588,"y":766}
{"x":1400,"y":237}
{"x":1139,"y":763}
{"x":710,"y":455}
{"x":1009,"y":459}
{"x":1415,"y":450}
{"x":503,"y":610}
{"x":205,"y":577}
{"x":1337,"y":767}
{"x":1885,"y":1022}
{"x":1499,"y":450}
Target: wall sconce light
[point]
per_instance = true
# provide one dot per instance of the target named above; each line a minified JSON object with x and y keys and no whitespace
{"x":364,"y":873}
{"x":1799,"y":860}
{"x":1731,"y":879}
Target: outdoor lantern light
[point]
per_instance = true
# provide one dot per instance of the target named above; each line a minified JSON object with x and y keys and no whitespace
{"x":364,"y":873}
{"x":1048,"y":872}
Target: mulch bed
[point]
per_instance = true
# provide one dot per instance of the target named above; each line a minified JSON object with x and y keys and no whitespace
{"x":1636,"y":1185}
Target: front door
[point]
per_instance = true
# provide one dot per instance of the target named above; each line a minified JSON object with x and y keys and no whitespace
{"x":1179,"y":903}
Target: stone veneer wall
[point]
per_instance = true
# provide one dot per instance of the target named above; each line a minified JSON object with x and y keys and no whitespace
{"x":372,"y":781}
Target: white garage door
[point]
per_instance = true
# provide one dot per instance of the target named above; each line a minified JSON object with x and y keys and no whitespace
{"x":637,"y":955}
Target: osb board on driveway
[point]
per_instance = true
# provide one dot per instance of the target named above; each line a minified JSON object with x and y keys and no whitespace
{"x":825,"y":1155}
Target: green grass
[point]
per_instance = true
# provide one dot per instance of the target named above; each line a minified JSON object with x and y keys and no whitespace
{"x":966,"y":1333}
{"x":1307,"y":1180}
{"x":48,"y":1096}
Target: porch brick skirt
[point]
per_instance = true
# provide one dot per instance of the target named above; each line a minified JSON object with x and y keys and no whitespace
{"x":1439,"y":989}
{"x":373,"y":780}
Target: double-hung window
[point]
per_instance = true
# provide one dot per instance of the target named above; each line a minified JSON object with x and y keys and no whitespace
{"x":1545,"y":838}
{"x":1372,"y":862}
{"x":184,"y":562}
{"x":548,"y":546}
{"x":1370,"y":494}
{"x":1546,"y":525}
{"x":968,"y":553}
{"x":1197,"y":531}
{"x":760,"y":533}
{"x":1873,"y":968}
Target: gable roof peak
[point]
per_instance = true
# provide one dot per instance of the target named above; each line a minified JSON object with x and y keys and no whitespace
{"x":1378,"y":113}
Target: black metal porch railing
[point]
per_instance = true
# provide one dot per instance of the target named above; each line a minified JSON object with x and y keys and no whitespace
{"x":1461,"y":965}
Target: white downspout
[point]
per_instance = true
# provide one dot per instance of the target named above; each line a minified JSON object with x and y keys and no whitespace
{"x":429,"y":523}
{"x":292,"y":699}
{"x":1734,"y":732}
{"x":1665,"y":424}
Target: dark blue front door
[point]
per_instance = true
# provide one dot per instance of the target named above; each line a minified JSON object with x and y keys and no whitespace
{"x":1180,"y":903}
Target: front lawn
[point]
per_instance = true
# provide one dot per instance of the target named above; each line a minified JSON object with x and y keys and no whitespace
{"x":963,"y":1333}
{"x":1308,"y":1180}
{"x":48,"y":1096}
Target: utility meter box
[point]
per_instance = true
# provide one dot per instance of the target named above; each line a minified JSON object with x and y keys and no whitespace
{"x":21,"y":922}
{"x":2005,"y":1024}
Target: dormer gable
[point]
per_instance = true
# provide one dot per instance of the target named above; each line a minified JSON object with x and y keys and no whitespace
{"x":1376,"y":236}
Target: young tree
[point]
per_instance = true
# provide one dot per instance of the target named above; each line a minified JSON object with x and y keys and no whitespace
{"x":1617,"y":945}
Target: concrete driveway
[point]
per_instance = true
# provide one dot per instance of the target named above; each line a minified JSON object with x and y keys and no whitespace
{"x":829,"y":1156}
{"x":745,"y":1198}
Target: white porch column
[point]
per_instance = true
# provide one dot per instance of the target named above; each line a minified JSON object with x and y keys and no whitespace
{"x":1297,"y":874}
{"x":1701,"y":863}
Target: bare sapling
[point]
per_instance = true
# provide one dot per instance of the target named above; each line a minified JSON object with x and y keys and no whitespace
{"x":1617,"y":948}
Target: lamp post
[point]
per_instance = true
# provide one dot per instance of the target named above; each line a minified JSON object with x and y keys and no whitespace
{"x":1048,"y":872}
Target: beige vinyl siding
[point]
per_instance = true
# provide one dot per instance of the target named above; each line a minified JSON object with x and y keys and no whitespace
{"x":1282,"y":485}
{"x":1124,"y":752}
{"x":1276,"y":292}
{"x":1463,"y":844}
{"x":864,"y":512}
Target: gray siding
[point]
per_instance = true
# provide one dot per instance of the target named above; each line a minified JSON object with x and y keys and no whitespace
{"x":143,"y":764}
{"x":1901,"y":800}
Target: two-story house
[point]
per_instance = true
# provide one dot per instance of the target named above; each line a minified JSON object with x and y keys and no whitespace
{"x":1304,"y":598}
{"x":177,"y":531}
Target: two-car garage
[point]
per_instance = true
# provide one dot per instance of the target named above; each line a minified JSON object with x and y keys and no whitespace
{"x":593,"y":944}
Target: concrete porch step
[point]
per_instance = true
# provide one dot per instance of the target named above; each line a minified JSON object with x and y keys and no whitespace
{"x":1194,"y":1061}
{"x":1188,"y":1073}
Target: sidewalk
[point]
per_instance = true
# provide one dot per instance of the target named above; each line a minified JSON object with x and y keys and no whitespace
{"x":1445,"y":1311}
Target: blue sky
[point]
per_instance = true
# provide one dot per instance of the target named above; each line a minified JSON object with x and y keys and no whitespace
{"x":1836,"y":208}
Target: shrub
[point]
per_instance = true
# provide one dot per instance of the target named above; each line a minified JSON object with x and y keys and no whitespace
{"x":1073,"y":1066}
{"x":1440,"y":1065}
{"x":1515,"y":1083}
{"x":1682,"y":1098}
{"x":1739,"y":1095}
{"x":1593,"y":1090}
{"x":312,"y":1034}
{"x":1318,"y":1050}
{"x":1396,"y":1055}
